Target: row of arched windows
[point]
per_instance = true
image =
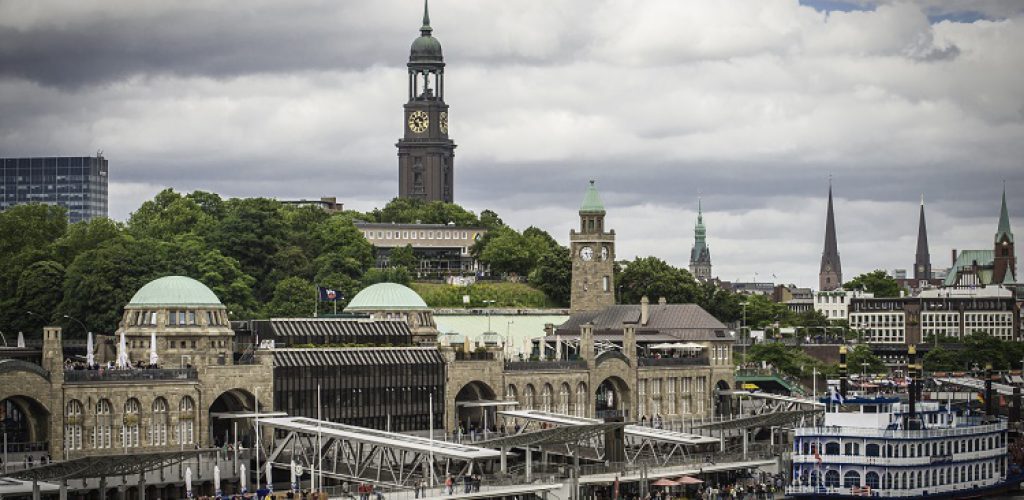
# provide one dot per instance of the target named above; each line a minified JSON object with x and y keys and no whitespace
{"x":566,"y":403}
{"x":909,"y":480}
{"x":130,"y":424}
{"x":923,"y":449}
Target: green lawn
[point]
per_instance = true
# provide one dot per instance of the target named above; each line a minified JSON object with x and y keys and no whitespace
{"x":502,"y":293}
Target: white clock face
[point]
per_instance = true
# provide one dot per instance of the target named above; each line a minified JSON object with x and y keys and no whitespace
{"x":604,"y":253}
{"x":586,"y":253}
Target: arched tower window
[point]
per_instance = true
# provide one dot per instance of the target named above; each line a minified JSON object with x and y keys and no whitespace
{"x":73,"y":415}
{"x":130,"y":429}
{"x":102,"y":433}
{"x":581,"y":400}
{"x":545,"y":398}
{"x":186,"y":420}
{"x":158,"y":427}
{"x":529,"y":395}
{"x":563,"y":399}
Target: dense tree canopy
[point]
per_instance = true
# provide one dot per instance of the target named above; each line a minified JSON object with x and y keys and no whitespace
{"x":877,"y":282}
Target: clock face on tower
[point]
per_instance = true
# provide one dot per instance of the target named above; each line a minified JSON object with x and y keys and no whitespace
{"x":418,"y":122}
{"x":443,"y":122}
{"x":587,"y":253}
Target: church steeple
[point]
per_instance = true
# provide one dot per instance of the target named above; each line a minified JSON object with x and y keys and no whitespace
{"x":1004,"y":270}
{"x":700,"y":254}
{"x":922,"y":259}
{"x":830,"y":274}
{"x":425,"y":153}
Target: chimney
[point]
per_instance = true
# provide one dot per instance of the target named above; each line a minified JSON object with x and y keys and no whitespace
{"x":842,"y":371}
{"x":954,"y":257}
{"x":662,"y":301}
{"x":629,"y":342}
{"x":645,"y":310}
{"x":990,"y":414}
{"x":53,"y":353}
{"x":587,"y":343}
{"x":913,"y":423}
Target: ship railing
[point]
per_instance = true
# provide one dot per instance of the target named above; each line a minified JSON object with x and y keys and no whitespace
{"x":885,"y":492}
{"x":904,"y":461}
{"x":903,"y":434}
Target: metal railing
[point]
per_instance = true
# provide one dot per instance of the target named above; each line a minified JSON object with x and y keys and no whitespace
{"x":476,"y":356}
{"x":85,"y":376}
{"x":576,"y":364}
{"x":682,"y":361}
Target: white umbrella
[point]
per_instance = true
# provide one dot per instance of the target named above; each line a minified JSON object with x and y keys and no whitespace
{"x":216,"y":479}
{"x":295,"y":481}
{"x":21,"y":339}
{"x":243,"y":480}
{"x":270,"y":485}
{"x":188,"y":482}
{"x":122,"y":355}
{"x":153,"y":358}
{"x":90,"y":356}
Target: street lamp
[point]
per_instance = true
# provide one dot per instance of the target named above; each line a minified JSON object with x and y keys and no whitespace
{"x":489,"y":303}
{"x":84,"y":329}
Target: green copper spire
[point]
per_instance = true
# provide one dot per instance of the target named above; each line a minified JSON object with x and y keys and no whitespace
{"x":592,"y":201}
{"x":1004,"y":221}
{"x":426,"y":29}
{"x":699,"y":231}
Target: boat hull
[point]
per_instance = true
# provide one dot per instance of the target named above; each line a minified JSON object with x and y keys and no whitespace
{"x":1011,"y":484}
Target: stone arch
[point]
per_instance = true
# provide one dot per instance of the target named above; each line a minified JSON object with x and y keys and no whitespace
{"x":469,"y":416}
{"x":547,"y":396}
{"x":564,"y":398}
{"x":723,"y":402}
{"x":612,"y":394}
{"x":529,"y":397}
{"x":26,"y":419}
{"x":231,"y":400}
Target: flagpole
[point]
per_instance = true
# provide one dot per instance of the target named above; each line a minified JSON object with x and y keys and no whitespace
{"x":319,"y":441}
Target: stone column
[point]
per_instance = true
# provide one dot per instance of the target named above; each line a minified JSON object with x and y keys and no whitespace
{"x":587,"y":344}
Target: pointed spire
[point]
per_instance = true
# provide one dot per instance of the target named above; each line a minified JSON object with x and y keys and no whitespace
{"x":1004,"y":220}
{"x":426,"y":29}
{"x":700,"y":212}
{"x":922,"y":259}
{"x":830,"y":275}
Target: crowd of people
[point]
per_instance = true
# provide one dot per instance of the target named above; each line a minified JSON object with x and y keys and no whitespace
{"x":741,"y":491}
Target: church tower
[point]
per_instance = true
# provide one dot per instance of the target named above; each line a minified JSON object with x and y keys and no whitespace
{"x":700,"y":254}
{"x":1004,"y":270}
{"x":922,"y":260}
{"x":593,"y":258}
{"x":830,"y":275}
{"x":425,"y":153}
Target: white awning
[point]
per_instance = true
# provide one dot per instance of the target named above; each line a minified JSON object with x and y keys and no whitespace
{"x":677,"y":345}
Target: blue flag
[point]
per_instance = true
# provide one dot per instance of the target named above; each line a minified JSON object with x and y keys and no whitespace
{"x":328,"y":294}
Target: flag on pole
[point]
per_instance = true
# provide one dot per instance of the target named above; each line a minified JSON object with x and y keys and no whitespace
{"x":328,"y":294}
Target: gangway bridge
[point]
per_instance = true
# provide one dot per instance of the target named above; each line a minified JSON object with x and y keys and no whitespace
{"x":663,"y":445}
{"x":976,"y":384}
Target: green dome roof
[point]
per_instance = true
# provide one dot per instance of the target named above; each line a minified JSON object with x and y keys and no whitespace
{"x":426,"y":48}
{"x":386,"y":297}
{"x":592,"y":201}
{"x":174,"y":291}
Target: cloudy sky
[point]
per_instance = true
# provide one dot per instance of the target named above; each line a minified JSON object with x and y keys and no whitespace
{"x":751,"y":104}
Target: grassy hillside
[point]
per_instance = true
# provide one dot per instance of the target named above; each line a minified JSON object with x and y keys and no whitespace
{"x":503,"y":294}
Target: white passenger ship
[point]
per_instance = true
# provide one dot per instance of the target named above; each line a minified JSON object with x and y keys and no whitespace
{"x":866,"y":450}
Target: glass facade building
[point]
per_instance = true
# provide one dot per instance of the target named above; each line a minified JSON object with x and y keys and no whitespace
{"x":77,"y":183}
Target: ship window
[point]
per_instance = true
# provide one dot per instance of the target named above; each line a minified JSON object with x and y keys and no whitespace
{"x":871,"y":450}
{"x":871,"y":480}
{"x":852,"y":449}
{"x":831,"y":476}
{"x":832,"y":448}
{"x":851,"y":479}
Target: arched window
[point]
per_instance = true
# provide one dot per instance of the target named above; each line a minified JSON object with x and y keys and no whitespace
{"x":511,"y":393}
{"x":832,"y":448}
{"x":529,"y":395}
{"x":831,"y":478}
{"x":102,"y":433}
{"x":871,"y":480}
{"x":73,"y":415}
{"x":130,"y":428}
{"x":563,"y":399}
{"x":186,"y":417}
{"x":871,"y":450}
{"x":158,"y":427}
{"x":545,"y":398}
{"x":851,"y":479}
{"x":581,"y":400}
{"x":887,"y":481}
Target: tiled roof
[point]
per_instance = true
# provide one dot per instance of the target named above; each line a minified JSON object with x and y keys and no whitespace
{"x":680,"y":321}
{"x":333,"y":330}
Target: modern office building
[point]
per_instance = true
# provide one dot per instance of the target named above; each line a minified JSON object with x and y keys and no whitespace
{"x":78,"y":183}
{"x":442,"y":250}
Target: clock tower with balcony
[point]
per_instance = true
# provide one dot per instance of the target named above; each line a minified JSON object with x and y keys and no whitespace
{"x":426,"y":155}
{"x":593,"y":257}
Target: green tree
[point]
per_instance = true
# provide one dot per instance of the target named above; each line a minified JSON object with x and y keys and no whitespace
{"x":506,"y":252}
{"x":789,"y":360}
{"x":654,"y":278}
{"x":877,"y":282}
{"x":720,"y":303}
{"x":31,"y":226}
{"x":40,"y":290}
{"x":84,"y":236}
{"x":942,"y":359}
{"x":763,"y":312}
{"x":861,"y":354}
{"x":398,"y":275}
{"x":403,"y":257}
{"x":490,"y":219}
{"x":553,"y":275}
{"x":293,"y":298}
{"x":252,"y":231}
{"x":169,"y":214}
